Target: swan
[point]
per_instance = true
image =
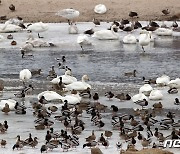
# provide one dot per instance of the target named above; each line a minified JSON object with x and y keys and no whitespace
{"x":174,"y":83}
{"x":144,"y":39}
{"x":25,"y":75}
{"x":106,"y":34}
{"x":139,"y":97}
{"x":83,"y":40}
{"x":68,"y":13}
{"x":1,"y":38}
{"x":38,"y":27}
{"x":73,"y":29}
{"x":129,"y":39}
{"x":6,"y":28}
{"x":164,"y":32}
{"x":155,"y":95}
{"x":66,"y":78}
{"x":163,"y":80}
{"x":79,"y":85}
{"x":49,"y":95}
{"x":72,"y":98}
{"x":26,"y":47}
{"x":10,"y":102}
{"x":14,"y":21}
{"x":100,"y":9}
{"x":146,"y":89}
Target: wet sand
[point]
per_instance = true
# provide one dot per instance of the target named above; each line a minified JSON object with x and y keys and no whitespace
{"x":38,"y":10}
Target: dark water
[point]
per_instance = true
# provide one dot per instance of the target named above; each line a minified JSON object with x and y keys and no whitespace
{"x":163,"y":56}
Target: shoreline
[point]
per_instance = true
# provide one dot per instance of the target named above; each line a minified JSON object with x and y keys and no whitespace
{"x":35,"y":11}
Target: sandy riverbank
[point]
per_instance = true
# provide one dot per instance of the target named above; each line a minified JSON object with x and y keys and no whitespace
{"x":38,"y":10}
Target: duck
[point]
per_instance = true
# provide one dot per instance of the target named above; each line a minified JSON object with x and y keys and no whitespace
{"x":130,"y":73}
{"x":142,"y":103}
{"x":10,"y":102}
{"x":96,"y":22}
{"x":156,"y":95}
{"x":44,"y":148}
{"x":72,"y":29}
{"x":145,"y":142}
{"x":105,"y":143}
{"x":149,"y":81}
{"x":53,"y":108}
{"x":83,"y":40}
{"x":173,"y":90}
{"x":106,"y":34}
{"x":91,"y":137}
{"x":89,"y":31}
{"x":133,"y":14}
{"x":109,"y":95}
{"x":38,"y":27}
{"x":6,"y":108}
{"x":165,"y":11}
{"x":79,"y":85}
{"x":174,"y":83}
{"x":144,"y":39}
{"x":129,"y":39}
{"x":108,"y":133}
{"x":100,"y":9}
{"x":65,"y":146}
{"x":146,"y":89}
{"x":40,"y":127}
{"x":25,"y":75}
{"x":92,"y":143}
{"x":118,"y":145}
{"x":158,"y":105}
{"x":3,"y":143}
{"x":34,"y":142}
{"x":12,"y":7}
{"x":51,"y":145}
{"x":164,"y":32}
{"x":176,"y":101}
{"x":163,"y":80}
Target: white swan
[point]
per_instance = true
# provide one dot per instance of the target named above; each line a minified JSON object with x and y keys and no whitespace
{"x":26,"y":47}
{"x":155,"y":95}
{"x":36,"y":42}
{"x":50,"y":95}
{"x":72,"y":98}
{"x":25,"y":75}
{"x":68,"y":13}
{"x":9,"y":28}
{"x":146,"y":89}
{"x":144,"y":39}
{"x":10,"y":102}
{"x":1,"y":38}
{"x":38,"y":27}
{"x":106,"y":34}
{"x":129,"y":39}
{"x":100,"y":9}
{"x":66,"y":78}
{"x":139,"y":97}
{"x":79,"y":85}
{"x":83,"y":40}
{"x":73,"y":29}
{"x":163,"y":80}
{"x":14,"y":21}
{"x":174,"y":83}
{"x":164,"y":32}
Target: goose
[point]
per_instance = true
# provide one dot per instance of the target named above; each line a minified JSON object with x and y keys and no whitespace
{"x":49,"y":95}
{"x":129,"y":39}
{"x":100,"y":9}
{"x":146,"y":89}
{"x":25,"y":75}
{"x":164,"y":32}
{"x":83,"y":40}
{"x":38,"y":27}
{"x":144,"y":39}
{"x":10,"y":102}
{"x":174,"y":83}
{"x":106,"y":34}
{"x":163,"y":80}
{"x":139,"y":97}
{"x":6,"y":28}
{"x":73,"y":28}
{"x":155,"y":95}
{"x":79,"y":85}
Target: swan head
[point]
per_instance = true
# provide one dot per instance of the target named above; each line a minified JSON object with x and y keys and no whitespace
{"x":85,"y":78}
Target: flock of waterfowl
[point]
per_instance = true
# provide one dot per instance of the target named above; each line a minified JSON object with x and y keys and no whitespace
{"x":76,"y":106}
